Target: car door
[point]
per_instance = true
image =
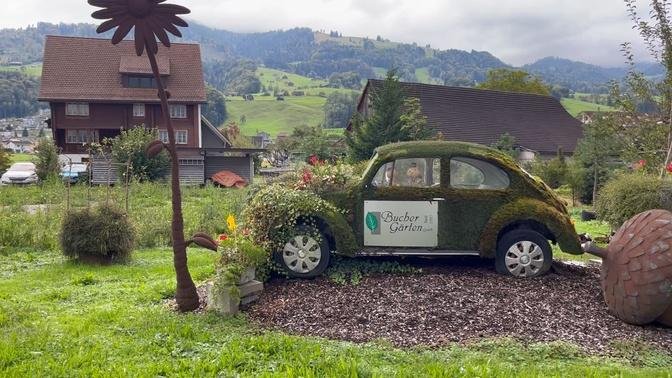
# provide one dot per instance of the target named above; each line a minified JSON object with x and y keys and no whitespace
{"x":476,"y":189}
{"x":401,"y":208}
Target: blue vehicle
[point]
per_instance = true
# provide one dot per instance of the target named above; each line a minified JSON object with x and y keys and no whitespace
{"x":73,"y":172}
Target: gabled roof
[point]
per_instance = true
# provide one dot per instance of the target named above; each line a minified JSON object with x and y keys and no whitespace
{"x":538,"y":123}
{"x":90,"y":69}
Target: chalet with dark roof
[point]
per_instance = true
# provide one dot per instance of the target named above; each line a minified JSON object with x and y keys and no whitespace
{"x":540,"y":124}
{"x":96,"y":89}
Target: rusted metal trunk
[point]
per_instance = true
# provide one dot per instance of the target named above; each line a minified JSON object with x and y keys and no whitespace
{"x":186,"y":295}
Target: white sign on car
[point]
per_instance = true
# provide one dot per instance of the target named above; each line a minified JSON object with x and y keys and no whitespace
{"x":401,"y":223}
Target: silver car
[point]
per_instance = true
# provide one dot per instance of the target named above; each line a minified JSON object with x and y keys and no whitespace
{"x":20,"y":173}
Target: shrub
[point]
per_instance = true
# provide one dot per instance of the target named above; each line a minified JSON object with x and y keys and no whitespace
{"x":130,"y":147}
{"x":5,"y":160}
{"x":630,"y":194}
{"x":103,"y":234}
{"x":46,"y":163}
{"x":553,"y":171}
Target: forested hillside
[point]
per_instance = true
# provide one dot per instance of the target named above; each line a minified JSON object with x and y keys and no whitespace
{"x":320,"y":55}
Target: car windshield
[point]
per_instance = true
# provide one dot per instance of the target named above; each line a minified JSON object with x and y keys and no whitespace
{"x":74,"y":168}
{"x":22,"y":167}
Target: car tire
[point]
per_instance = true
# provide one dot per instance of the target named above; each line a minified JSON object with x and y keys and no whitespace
{"x":523,"y":253}
{"x":305,"y":253}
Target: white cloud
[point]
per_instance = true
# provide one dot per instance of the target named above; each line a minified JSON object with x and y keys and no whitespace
{"x":517,"y":31}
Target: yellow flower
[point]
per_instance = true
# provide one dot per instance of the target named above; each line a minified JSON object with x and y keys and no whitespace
{"x":231,"y":223}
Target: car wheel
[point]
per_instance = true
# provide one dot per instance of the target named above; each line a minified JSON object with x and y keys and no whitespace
{"x":523,"y":254}
{"x":305,"y":253}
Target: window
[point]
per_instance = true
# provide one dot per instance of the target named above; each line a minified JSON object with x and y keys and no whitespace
{"x":163,"y":136}
{"x":81,"y":136}
{"x":468,"y":173}
{"x":180,"y":136}
{"x":141,"y":82}
{"x":414,"y":172}
{"x":139,"y":110}
{"x":79,"y":109}
{"x":178,"y":111}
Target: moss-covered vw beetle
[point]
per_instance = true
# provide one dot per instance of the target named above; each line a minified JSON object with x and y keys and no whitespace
{"x":433,"y":198}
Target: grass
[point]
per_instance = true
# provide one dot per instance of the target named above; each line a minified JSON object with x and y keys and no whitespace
{"x":574,"y":106}
{"x":30,"y":69}
{"x":205,"y":209}
{"x":20,"y":158}
{"x":59,"y":318}
{"x":272,"y":116}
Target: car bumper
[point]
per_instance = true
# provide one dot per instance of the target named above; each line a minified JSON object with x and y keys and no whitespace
{"x":26,"y":181}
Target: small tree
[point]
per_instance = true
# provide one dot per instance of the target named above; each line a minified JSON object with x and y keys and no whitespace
{"x":507,"y":144}
{"x":129,"y":148}
{"x":5,"y":160}
{"x":394,"y":119}
{"x":599,"y":148}
{"x":46,"y":159}
{"x":508,"y":80}
{"x":215,"y":109}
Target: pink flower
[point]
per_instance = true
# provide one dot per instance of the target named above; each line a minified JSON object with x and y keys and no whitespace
{"x":669,"y":168}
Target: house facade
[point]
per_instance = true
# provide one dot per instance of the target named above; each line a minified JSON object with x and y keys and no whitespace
{"x":540,"y":124}
{"x":96,"y":89}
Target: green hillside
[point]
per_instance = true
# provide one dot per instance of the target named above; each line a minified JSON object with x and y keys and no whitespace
{"x":574,"y":106}
{"x":30,"y":69}
{"x":267,"y":114}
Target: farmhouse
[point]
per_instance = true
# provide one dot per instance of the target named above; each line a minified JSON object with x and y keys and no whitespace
{"x":96,"y":89}
{"x":540,"y":124}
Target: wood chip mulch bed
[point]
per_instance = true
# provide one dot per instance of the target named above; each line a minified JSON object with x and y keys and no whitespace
{"x":452,"y":301}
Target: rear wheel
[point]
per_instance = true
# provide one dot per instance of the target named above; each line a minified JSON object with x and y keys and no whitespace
{"x":523,"y":254}
{"x":305,"y":253}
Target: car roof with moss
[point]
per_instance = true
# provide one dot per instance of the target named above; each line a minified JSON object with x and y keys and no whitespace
{"x":443,"y":148}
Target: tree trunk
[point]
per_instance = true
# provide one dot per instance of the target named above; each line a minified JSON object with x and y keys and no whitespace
{"x":595,"y":178}
{"x":185,"y":294}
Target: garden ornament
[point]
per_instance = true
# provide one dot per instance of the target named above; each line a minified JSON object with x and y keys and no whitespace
{"x":151,"y":19}
{"x":637,"y":269}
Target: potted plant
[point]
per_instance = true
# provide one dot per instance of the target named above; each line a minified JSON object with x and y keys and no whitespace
{"x":235,"y":269}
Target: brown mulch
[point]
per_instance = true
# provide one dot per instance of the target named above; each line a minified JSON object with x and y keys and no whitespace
{"x":452,"y":302}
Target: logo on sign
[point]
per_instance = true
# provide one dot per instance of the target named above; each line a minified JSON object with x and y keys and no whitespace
{"x":373,"y":222}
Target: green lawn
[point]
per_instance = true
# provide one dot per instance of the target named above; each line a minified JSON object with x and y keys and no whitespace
{"x":272,"y":116}
{"x":574,"y":106}
{"x":19,"y":158}
{"x":63,"y":319}
{"x":30,"y":69}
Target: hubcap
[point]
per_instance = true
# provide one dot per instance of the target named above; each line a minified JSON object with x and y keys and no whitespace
{"x":524,"y":259}
{"x":302,"y":254}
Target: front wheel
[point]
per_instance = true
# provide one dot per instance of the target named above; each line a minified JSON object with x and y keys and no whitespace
{"x":305,"y":253}
{"x":523,"y":254}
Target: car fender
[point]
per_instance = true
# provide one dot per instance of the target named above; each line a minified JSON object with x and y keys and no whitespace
{"x":522,"y":210}
{"x":339,"y":230}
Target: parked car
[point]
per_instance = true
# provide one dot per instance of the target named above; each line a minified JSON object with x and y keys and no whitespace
{"x":73,"y":172}
{"x":20,"y":173}
{"x":435,"y":198}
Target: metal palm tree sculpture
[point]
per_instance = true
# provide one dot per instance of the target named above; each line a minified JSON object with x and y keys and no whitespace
{"x":151,"y":20}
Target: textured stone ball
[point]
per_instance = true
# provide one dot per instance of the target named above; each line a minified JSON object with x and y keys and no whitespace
{"x":637,"y":270}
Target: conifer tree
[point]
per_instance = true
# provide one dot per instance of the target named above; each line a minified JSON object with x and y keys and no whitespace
{"x":394,"y":118}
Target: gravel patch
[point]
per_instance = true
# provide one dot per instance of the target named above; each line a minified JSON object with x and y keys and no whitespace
{"x":451,"y":302}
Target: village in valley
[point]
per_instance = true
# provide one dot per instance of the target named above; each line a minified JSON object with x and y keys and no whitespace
{"x":185,"y":195}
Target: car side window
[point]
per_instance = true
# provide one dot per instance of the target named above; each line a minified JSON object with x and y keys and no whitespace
{"x":468,"y":173}
{"x":412,"y":172}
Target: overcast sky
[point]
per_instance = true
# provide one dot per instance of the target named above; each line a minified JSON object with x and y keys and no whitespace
{"x":516,"y":31}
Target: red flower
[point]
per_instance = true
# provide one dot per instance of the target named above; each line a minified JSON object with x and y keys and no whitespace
{"x":313,"y":160}
{"x":307,"y":176}
{"x":669,"y":168}
{"x":223,"y":237}
{"x":642,"y":163}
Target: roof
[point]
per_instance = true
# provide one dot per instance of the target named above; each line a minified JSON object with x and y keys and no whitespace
{"x":539,"y":123}
{"x":89,"y":69}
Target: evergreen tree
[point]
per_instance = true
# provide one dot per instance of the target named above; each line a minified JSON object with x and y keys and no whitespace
{"x":5,"y":160}
{"x":394,"y":119}
{"x":46,"y":163}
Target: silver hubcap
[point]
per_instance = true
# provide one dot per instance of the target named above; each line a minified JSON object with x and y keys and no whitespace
{"x":524,"y":259}
{"x":302,"y":254}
